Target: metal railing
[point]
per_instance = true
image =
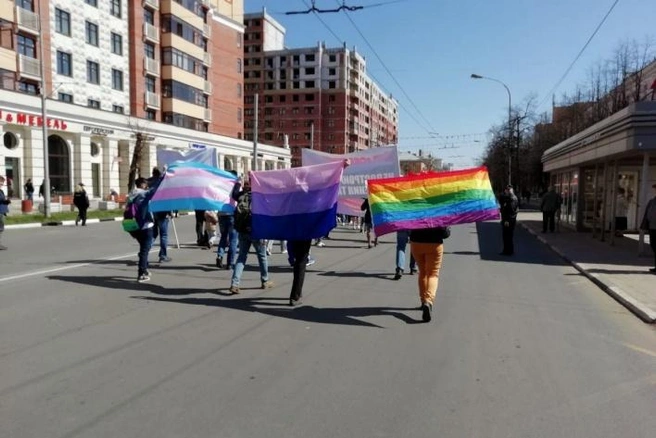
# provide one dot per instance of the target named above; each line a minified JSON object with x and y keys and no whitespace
{"x":152,"y":3}
{"x":29,"y":66}
{"x":208,"y":115}
{"x":151,"y":66}
{"x":208,"y":87}
{"x":151,"y":32}
{"x":207,"y":59}
{"x":27,"y":20}
{"x":152,"y":99}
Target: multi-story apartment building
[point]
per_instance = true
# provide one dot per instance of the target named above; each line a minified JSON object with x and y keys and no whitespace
{"x":170,"y":69}
{"x":315,"y":97}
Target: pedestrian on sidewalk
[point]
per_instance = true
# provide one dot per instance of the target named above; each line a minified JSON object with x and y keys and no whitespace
{"x":550,"y":204}
{"x":81,"y":201}
{"x":368,"y":223}
{"x":243,"y":225}
{"x":427,"y":246}
{"x":140,"y":198}
{"x":509,"y":208}
{"x":29,"y":190}
{"x":402,"y":239}
{"x":649,"y":225}
{"x":4,"y":210}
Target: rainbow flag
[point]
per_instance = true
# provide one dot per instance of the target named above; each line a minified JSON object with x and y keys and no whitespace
{"x":295,"y":204}
{"x":194,"y":186}
{"x":434,"y":199}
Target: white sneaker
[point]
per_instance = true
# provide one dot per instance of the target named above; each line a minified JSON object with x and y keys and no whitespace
{"x":143,"y":278}
{"x":321,"y":244}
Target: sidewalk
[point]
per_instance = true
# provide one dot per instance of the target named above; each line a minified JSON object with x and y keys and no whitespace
{"x":617,"y":269}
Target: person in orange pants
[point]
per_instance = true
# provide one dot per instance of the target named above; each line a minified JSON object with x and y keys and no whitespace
{"x":427,"y":246}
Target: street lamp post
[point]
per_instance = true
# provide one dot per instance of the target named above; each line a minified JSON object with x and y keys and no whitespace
{"x":510,"y":124}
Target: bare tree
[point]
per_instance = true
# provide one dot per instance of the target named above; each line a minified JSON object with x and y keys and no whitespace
{"x":140,"y":134}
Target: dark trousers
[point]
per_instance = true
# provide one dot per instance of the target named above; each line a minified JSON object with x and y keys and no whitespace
{"x":82,"y":214}
{"x":508,"y":233}
{"x":548,"y":221}
{"x":301,"y":251}
{"x":200,"y":222}
{"x":145,"y":239}
{"x":652,"y":243}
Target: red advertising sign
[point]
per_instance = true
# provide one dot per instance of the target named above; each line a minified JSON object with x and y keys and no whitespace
{"x":32,"y":120}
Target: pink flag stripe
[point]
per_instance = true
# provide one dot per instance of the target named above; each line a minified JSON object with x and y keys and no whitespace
{"x":275,"y":182}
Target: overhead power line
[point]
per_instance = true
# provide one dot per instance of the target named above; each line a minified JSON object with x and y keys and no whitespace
{"x":389,"y":72}
{"x":578,"y":56}
{"x":342,"y":7}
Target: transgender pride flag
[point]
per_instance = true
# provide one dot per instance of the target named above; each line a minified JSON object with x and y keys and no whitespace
{"x":295,"y":204}
{"x":194,"y":186}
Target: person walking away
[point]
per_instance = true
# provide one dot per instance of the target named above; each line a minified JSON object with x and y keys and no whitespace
{"x":648,"y":224}
{"x":549,"y":206}
{"x":29,"y":190}
{"x":161,"y":219}
{"x":140,"y":197}
{"x":368,"y":223}
{"x":243,"y":225}
{"x":81,"y":201}
{"x":228,"y":241}
{"x":4,"y":210}
{"x":200,"y":228}
{"x":509,"y":208}
{"x":621,"y":212}
{"x":402,"y":238}
{"x":427,"y":246}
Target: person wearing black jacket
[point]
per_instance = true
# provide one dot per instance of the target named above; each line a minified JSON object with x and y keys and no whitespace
{"x":509,"y":208}
{"x":81,"y":201}
{"x":427,"y":249}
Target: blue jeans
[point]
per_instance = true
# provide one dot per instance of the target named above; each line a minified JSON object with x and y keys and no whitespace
{"x":145,"y":239}
{"x":245,"y":243}
{"x":163,"y":230}
{"x":229,"y":238}
{"x":402,"y":239}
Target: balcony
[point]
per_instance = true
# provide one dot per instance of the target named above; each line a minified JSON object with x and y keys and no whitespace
{"x":152,"y":3}
{"x":29,"y":67}
{"x":205,"y":3}
{"x":207,"y":59}
{"x":208,"y":115}
{"x":208,"y":87}
{"x":27,"y":20}
{"x":151,"y":66}
{"x":207,"y":30}
{"x":151,"y":33}
{"x":152,"y":100}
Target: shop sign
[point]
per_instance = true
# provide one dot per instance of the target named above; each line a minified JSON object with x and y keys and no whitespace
{"x":32,"y":120}
{"x":197,"y":146}
{"x":97,"y":131}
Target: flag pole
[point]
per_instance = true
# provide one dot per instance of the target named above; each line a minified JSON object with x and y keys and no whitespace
{"x":175,"y":232}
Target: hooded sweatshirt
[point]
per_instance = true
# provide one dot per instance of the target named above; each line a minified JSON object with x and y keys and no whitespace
{"x":141,"y":198}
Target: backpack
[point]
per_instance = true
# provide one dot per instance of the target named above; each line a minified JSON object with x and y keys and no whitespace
{"x":130,"y":224}
{"x":243,"y":214}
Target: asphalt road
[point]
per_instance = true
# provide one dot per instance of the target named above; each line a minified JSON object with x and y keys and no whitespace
{"x":521,"y":347}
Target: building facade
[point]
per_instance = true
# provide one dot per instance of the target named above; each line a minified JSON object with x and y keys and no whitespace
{"x":314,"y":97}
{"x":169,"y":69}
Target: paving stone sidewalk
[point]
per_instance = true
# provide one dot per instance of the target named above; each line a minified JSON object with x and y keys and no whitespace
{"x":617,"y":269}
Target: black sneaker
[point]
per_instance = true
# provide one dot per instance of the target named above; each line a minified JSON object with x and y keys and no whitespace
{"x":413,"y":271}
{"x":399,"y":274}
{"x":427,"y":312}
{"x":294,"y":303}
{"x":219,"y":262}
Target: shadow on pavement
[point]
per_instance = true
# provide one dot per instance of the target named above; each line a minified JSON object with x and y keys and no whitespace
{"x":527,"y":248}
{"x":278,"y":307}
{"x":383,"y":275}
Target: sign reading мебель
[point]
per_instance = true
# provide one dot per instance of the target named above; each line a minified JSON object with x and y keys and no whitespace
{"x":374,"y":163}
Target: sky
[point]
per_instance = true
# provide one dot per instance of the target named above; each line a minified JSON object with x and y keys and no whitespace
{"x":431,"y":47}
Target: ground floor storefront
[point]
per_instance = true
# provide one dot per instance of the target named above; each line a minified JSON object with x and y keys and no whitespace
{"x":95,"y":147}
{"x":605,"y":173}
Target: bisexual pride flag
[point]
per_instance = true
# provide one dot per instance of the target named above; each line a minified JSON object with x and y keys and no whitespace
{"x":434,"y":199}
{"x":295,"y":204}
{"x":194,"y":186}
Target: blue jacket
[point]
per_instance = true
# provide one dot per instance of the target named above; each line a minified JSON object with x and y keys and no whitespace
{"x":4,"y":206}
{"x":141,"y":198}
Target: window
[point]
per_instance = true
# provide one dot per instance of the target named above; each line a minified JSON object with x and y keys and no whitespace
{"x":309,"y":57}
{"x":28,"y":5}
{"x":331,"y":136}
{"x":178,"y":90}
{"x":117,"y":109}
{"x":150,"y":84}
{"x":239,"y":117}
{"x":238,"y":90}
{"x":149,"y":17}
{"x":149,"y":50}
{"x":27,"y":87}
{"x":117,"y":44}
{"x":117,"y":79}
{"x":93,"y":72}
{"x":331,"y":110}
{"x":64,"y":64}
{"x":331,"y":98}
{"x":93,"y":103}
{"x":115,"y":8}
{"x":238,"y":65}
{"x":332,"y":85}
{"x":283,"y":99}
{"x":309,"y":97}
{"x":309,"y":84}
{"x":150,"y":114}
{"x":332,"y":58}
{"x":62,"y":22}
{"x":295,"y":98}
{"x":65,"y":97}
{"x":283,"y":111}
{"x":332,"y":71}
{"x":172,"y":24}
{"x":92,"y":34}
{"x":268,"y":99}
{"x":331,"y":123}
{"x":309,"y":71}
{"x":296,"y":85}
{"x":171,"y":56}
{"x":239,"y":39}
{"x":26,"y":46}
{"x":93,"y":3}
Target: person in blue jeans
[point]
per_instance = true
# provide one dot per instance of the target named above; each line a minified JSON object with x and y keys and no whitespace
{"x":228,"y":241}
{"x":243,"y":224}
{"x":140,"y":196}
{"x":402,"y":239}
{"x":162,"y":229}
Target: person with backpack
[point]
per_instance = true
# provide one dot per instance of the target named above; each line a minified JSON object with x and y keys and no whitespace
{"x":161,"y":227}
{"x":243,"y":225}
{"x":81,"y":201}
{"x":142,"y":223}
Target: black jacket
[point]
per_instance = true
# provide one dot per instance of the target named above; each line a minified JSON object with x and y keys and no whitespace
{"x":367,"y":211}
{"x":430,"y":235}
{"x":509,"y":207}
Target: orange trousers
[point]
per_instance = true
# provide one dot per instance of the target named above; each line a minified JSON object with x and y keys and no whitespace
{"x":429,"y":262}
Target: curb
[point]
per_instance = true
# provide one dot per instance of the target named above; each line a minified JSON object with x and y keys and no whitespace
{"x":636,"y":307}
{"x":67,"y":223}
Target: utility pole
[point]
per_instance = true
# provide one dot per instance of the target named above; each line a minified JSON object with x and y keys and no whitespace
{"x":44,"y":124}
{"x":312,"y":135}
{"x":254,"y":163}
